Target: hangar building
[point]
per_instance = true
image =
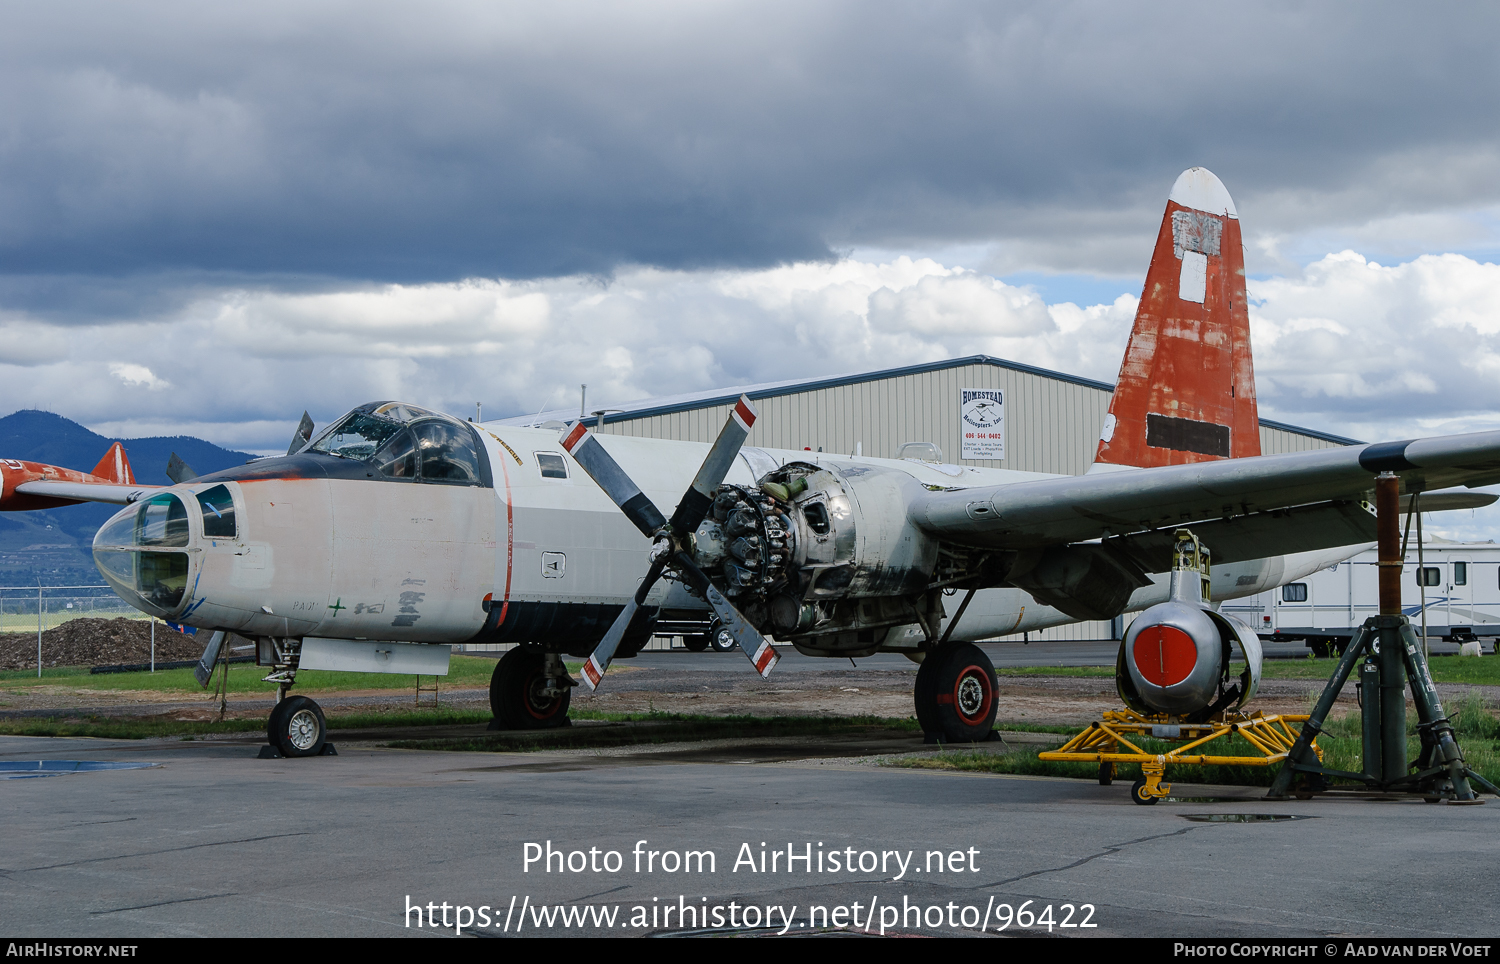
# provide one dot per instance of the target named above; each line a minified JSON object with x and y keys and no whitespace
{"x":1047,"y":421}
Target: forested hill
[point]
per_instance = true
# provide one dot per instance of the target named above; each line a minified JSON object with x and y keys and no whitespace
{"x":53,"y":545}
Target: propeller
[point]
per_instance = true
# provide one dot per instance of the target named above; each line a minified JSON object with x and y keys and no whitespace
{"x":671,"y":547}
{"x":303,"y":436}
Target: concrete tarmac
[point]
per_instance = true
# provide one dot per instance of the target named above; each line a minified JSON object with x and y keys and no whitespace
{"x":214,"y":842}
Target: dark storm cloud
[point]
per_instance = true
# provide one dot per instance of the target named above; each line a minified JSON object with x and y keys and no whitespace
{"x":442,"y":141}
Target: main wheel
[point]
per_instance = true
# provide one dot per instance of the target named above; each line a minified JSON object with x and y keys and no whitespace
{"x":696,"y":643}
{"x":517,"y":696}
{"x":297,"y":727}
{"x":955,"y":694}
{"x":1139,"y":795}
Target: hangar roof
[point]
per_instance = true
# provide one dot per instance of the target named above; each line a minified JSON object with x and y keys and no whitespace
{"x":667,"y":404}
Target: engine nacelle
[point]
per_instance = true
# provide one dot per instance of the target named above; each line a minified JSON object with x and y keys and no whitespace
{"x":1176,"y":655}
{"x":820,"y":555}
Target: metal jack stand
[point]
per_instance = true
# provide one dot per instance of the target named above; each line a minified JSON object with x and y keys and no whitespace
{"x":1392,"y":657}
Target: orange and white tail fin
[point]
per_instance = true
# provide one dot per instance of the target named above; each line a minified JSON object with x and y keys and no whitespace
{"x":1186,"y":391}
{"x":115,"y":466}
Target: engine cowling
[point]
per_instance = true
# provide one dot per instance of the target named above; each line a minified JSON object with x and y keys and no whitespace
{"x":821,"y":555}
{"x":1175,"y":659}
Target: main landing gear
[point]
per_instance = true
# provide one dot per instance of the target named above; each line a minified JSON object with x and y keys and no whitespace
{"x":955,"y":694}
{"x":530,"y":691}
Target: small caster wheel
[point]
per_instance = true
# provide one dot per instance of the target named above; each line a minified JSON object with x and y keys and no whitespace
{"x":1139,"y":795}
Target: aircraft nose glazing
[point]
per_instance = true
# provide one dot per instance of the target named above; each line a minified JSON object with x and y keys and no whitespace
{"x":146,"y":554}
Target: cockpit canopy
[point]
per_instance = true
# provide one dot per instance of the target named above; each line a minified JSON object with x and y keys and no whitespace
{"x":408,"y":443}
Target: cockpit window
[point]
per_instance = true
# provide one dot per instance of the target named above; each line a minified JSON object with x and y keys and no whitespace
{"x":162,"y":522}
{"x":358,"y":436}
{"x":448,"y":453}
{"x":217,"y":506}
{"x":408,"y":443}
{"x":397,"y":458}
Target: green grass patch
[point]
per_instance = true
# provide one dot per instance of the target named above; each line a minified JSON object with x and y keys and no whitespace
{"x":1477,"y":671}
{"x":1474,"y":670}
{"x":1473,"y":720}
{"x":1056,"y":671}
{"x":464,"y":672}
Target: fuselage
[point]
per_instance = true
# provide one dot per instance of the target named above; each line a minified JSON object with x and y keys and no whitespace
{"x":509,"y":542}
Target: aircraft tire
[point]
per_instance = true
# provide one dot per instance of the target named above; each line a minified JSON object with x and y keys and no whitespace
{"x":697,"y":643}
{"x":515,"y":694}
{"x":297,"y":727}
{"x":955,"y":694}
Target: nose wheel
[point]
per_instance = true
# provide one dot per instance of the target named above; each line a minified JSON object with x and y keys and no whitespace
{"x":297,"y":727}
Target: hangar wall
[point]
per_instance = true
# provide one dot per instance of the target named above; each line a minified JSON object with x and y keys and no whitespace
{"x":1052,"y":422}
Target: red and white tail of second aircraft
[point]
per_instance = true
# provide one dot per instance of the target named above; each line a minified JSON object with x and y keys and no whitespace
{"x":1186,"y":391}
{"x":26,"y":486}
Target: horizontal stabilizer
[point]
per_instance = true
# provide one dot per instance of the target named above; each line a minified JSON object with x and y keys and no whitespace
{"x":1449,"y":500}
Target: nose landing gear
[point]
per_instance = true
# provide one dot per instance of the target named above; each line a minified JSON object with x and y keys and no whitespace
{"x":296,"y":726}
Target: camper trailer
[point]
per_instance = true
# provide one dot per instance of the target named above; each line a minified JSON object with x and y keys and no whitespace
{"x":1456,"y":584}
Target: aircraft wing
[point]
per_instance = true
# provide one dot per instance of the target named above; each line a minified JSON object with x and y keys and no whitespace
{"x":1249,"y":495}
{"x":87,"y":491}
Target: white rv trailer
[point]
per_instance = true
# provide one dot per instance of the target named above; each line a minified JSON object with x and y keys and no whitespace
{"x":1460,"y":581}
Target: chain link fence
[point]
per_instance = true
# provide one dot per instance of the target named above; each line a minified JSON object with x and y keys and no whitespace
{"x":20,"y":606}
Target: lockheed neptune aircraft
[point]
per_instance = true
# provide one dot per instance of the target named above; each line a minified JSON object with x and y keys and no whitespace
{"x":397,"y":528}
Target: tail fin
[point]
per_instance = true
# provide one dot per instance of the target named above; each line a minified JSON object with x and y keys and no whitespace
{"x":1187,"y":385}
{"x":115,"y":466}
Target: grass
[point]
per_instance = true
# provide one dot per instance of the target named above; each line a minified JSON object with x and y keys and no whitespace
{"x":1473,"y":720}
{"x":1475,"y":671}
{"x":1480,"y":671}
{"x":463,"y":672}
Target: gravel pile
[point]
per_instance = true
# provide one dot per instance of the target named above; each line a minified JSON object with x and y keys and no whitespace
{"x":90,"y":641}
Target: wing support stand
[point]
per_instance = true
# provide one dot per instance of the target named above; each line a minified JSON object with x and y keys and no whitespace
{"x":1393,"y":659}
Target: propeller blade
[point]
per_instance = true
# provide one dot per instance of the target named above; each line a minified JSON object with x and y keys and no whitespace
{"x":699,"y":497}
{"x":762,"y":654}
{"x":179,"y":471}
{"x":757,"y":648}
{"x":605,"y":471}
{"x":303,"y":436}
{"x":599,"y":660}
{"x":205,"y":667}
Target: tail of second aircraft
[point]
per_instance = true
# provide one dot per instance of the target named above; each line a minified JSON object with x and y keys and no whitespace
{"x":115,"y":466}
{"x":1186,"y":391}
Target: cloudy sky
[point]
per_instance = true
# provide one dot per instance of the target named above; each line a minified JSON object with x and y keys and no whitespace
{"x":213,"y":217}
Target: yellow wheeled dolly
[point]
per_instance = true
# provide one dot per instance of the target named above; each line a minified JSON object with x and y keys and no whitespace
{"x":1108,"y":743}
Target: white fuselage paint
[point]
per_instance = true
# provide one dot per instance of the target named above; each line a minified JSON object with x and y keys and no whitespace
{"x":344,"y":559}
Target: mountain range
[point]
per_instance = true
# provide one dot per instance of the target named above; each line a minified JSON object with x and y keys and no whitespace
{"x":53,"y":545}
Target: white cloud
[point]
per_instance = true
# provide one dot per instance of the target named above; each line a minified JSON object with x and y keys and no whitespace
{"x":134,"y":375}
{"x":1348,"y":346}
